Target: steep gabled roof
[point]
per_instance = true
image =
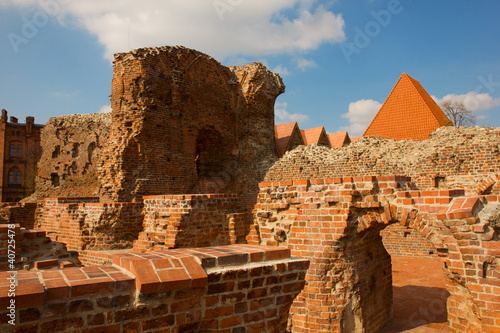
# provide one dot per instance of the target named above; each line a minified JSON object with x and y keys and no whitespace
{"x":315,"y":135}
{"x":339,"y":140}
{"x":408,"y":113}
{"x":284,"y":133}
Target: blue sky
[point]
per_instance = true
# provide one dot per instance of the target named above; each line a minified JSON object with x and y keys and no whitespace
{"x":338,"y":59}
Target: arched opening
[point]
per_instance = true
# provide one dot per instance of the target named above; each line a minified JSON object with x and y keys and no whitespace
{"x":211,"y":155}
{"x":397,"y":286}
{"x":418,"y":281}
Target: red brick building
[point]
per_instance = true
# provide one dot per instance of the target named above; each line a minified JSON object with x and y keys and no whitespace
{"x":20,"y":150}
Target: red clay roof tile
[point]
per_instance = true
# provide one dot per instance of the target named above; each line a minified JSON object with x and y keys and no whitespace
{"x":408,"y":113}
{"x":338,"y":140}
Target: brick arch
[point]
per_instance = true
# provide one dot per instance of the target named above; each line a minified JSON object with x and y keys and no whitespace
{"x":336,"y":224}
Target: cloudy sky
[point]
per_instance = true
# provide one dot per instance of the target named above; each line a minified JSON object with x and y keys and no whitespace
{"x":338,"y":58}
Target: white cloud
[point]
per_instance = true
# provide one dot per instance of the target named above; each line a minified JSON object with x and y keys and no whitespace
{"x":360,"y":115}
{"x":282,"y":116}
{"x":241,"y":27}
{"x":304,"y":64}
{"x":472,"y":100}
{"x":105,"y":109}
{"x":282,"y":71}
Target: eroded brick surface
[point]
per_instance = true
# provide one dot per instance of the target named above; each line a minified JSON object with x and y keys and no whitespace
{"x":71,"y":149}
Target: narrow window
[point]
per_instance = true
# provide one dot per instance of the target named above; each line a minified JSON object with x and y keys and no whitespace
{"x":18,"y":177}
{"x":12,"y":150}
{"x":19,"y":150}
{"x":11,"y":177}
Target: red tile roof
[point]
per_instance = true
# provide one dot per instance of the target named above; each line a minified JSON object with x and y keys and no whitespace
{"x":283,"y":134}
{"x":408,"y":113}
{"x":315,"y":135}
{"x":339,"y":140}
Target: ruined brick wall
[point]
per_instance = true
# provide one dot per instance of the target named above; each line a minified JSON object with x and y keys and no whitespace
{"x":21,"y":213}
{"x":452,"y":158}
{"x":183,"y":123}
{"x":406,"y":242}
{"x":174,"y":221}
{"x":336,"y":224}
{"x":221,"y":289}
{"x":86,"y":224}
{"x":71,"y":149}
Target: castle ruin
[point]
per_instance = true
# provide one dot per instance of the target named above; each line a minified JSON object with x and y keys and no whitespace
{"x":186,"y":220}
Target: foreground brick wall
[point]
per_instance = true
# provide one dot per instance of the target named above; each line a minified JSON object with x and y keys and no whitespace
{"x":86,"y":224}
{"x":336,"y":224}
{"x":183,"y":123}
{"x":220,"y":289}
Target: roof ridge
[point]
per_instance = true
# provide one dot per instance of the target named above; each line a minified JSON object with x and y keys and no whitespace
{"x":440,"y":117}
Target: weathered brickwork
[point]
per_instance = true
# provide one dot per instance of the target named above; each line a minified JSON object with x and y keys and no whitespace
{"x":22,"y":213}
{"x":220,"y":289}
{"x":452,"y":158}
{"x":71,"y":149}
{"x":86,"y":224}
{"x":336,"y":224}
{"x":406,"y":242}
{"x":31,"y":249}
{"x":183,"y":123}
{"x":173,"y":221}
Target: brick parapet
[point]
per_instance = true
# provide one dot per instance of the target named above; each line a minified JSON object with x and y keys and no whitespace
{"x":223,"y":289}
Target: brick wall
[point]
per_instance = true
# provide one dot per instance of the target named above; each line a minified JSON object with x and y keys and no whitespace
{"x":182,"y":120}
{"x":31,"y":248}
{"x":453,"y":158}
{"x":220,"y":289}
{"x":86,"y":224}
{"x":71,"y":149}
{"x":172,"y":221}
{"x":336,"y":224}
{"x":22,"y":213}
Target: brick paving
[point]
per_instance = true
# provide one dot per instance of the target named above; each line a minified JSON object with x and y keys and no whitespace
{"x":419,"y":296}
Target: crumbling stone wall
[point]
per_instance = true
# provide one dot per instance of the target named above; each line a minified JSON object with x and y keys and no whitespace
{"x":452,"y":158}
{"x":71,"y":150}
{"x":183,"y":123}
